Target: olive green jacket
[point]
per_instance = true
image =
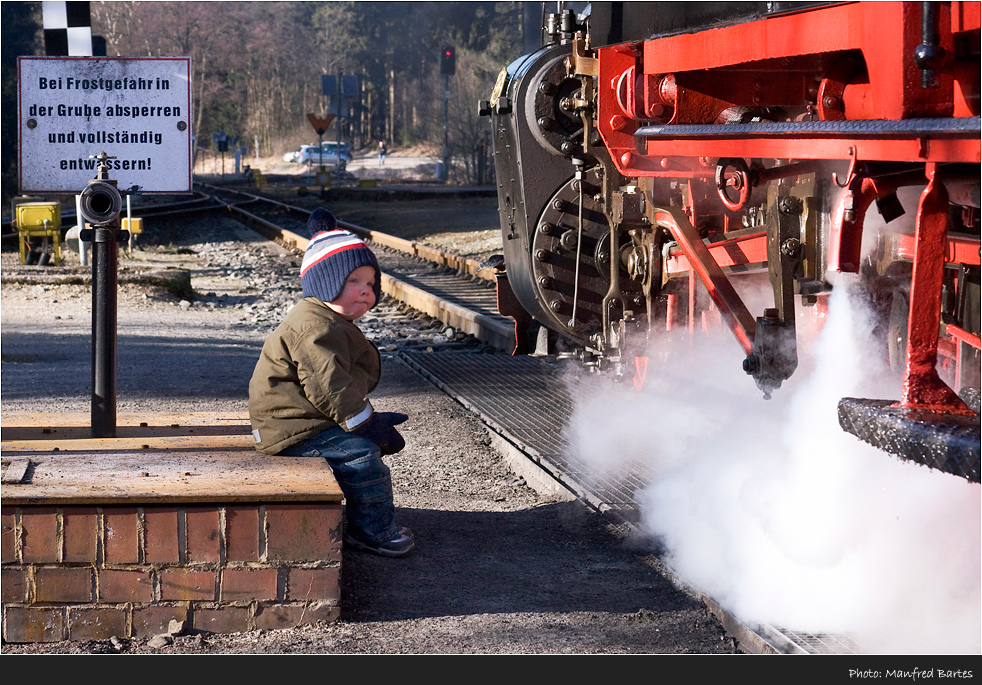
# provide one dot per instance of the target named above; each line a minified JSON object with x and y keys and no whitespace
{"x":315,"y":371}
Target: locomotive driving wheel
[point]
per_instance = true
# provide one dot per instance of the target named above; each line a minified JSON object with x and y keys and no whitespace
{"x":571,"y":258}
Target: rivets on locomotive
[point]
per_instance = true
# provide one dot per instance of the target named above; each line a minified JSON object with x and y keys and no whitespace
{"x":545,"y":228}
{"x":546,"y":282}
{"x":542,"y":255}
{"x":555,"y":305}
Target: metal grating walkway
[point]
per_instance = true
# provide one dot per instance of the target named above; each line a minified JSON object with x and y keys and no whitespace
{"x":526,"y":400}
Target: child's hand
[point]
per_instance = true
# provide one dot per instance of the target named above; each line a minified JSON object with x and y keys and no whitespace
{"x":380,"y":430}
{"x":393,"y":418}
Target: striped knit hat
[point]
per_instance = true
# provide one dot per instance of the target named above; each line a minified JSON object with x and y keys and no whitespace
{"x":330,"y":258}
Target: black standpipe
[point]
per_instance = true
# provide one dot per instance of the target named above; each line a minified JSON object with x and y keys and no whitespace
{"x":104,"y":290}
{"x":100,"y":206}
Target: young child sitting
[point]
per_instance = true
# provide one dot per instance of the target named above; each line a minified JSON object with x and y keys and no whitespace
{"x":309,"y":392}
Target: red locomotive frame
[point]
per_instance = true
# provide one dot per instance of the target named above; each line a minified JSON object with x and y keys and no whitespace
{"x":768,"y":48}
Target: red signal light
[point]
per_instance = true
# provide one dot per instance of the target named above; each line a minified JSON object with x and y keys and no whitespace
{"x":447,"y":61}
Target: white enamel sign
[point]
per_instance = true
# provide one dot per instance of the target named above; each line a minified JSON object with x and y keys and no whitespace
{"x":136,"y":110}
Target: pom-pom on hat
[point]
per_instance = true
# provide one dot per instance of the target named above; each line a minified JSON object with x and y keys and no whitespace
{"x":330,"y":258}
{"x":321,"y":220}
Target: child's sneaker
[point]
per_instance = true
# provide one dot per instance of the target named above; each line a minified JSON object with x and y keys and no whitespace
{"x":399,"y":545}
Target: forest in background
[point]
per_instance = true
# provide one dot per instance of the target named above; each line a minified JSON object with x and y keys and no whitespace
{"x":257,"y":66}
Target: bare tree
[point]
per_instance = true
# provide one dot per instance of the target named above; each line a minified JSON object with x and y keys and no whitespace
{"x":257,"y":65}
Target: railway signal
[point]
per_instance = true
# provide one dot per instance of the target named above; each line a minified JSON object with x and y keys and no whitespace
{"x":448,"y":65}
{"x":448,"y":61}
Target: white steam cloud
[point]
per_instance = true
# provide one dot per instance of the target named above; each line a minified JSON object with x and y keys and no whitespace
{"x":774,"y":511}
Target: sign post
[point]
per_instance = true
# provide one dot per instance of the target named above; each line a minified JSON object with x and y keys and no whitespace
{"x":342,"y":93}
{"x":321,"y":125}
{"x":83,"y":120}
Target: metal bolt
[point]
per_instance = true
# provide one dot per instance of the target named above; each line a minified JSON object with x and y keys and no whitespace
{"x":790,"y":247}
{"x":832,"y":102}
{"x":750,"y":364}
{"x":619,"y":122}
{"x":545,"y":282}
{"x":542,"y":255}
{"x":789,"y":205}
{"x":555,"y":305}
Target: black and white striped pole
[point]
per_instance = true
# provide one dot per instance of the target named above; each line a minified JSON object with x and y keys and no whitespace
{"x":68,"y":33}
{"x":67,"y":29}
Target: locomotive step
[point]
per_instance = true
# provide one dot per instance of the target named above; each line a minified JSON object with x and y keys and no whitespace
{"x":949,"y":443}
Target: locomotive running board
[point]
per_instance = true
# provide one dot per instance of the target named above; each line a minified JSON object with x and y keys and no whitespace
{"x":946,"y":442}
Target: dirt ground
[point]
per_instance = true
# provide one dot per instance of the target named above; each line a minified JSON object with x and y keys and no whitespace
{"x":499,"y":569}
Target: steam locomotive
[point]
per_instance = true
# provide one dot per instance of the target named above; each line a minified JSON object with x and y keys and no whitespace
{"x":651,"y":157}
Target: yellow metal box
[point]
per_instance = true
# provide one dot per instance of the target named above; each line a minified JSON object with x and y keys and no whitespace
{"x":134,"y":225}
{"x":32,"y":215}
{"x":30,"y":219}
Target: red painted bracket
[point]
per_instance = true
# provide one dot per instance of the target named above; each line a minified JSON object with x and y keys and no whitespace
{"x":923,"y":388}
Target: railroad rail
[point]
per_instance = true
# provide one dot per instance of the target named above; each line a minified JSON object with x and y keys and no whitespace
{"x":453,"y":289}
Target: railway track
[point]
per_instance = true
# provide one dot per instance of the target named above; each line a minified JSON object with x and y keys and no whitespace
{"x":447,"y":287}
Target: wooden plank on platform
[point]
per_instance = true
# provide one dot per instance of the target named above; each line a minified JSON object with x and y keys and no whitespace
{"x":155,"y":458}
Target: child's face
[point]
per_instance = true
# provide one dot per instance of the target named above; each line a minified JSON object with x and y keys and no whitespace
{"x":358,"y":295}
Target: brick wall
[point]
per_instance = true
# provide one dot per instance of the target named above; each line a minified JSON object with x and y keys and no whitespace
{"x":88,"y":572}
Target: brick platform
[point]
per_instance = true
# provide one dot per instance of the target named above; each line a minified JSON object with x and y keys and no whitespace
{"x":176,"y":518}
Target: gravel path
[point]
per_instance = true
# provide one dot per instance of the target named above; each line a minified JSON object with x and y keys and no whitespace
{"x":499,"y":567}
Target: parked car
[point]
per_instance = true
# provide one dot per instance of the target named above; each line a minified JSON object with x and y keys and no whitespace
{"x":326,"y":154}
{"x":293,"y":156}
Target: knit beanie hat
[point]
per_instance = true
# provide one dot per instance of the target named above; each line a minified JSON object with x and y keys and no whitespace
{"x":330,"y":258}
{"x":320,"y":220}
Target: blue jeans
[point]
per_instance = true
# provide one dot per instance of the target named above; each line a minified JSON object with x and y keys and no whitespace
{"x":364,"y":479}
